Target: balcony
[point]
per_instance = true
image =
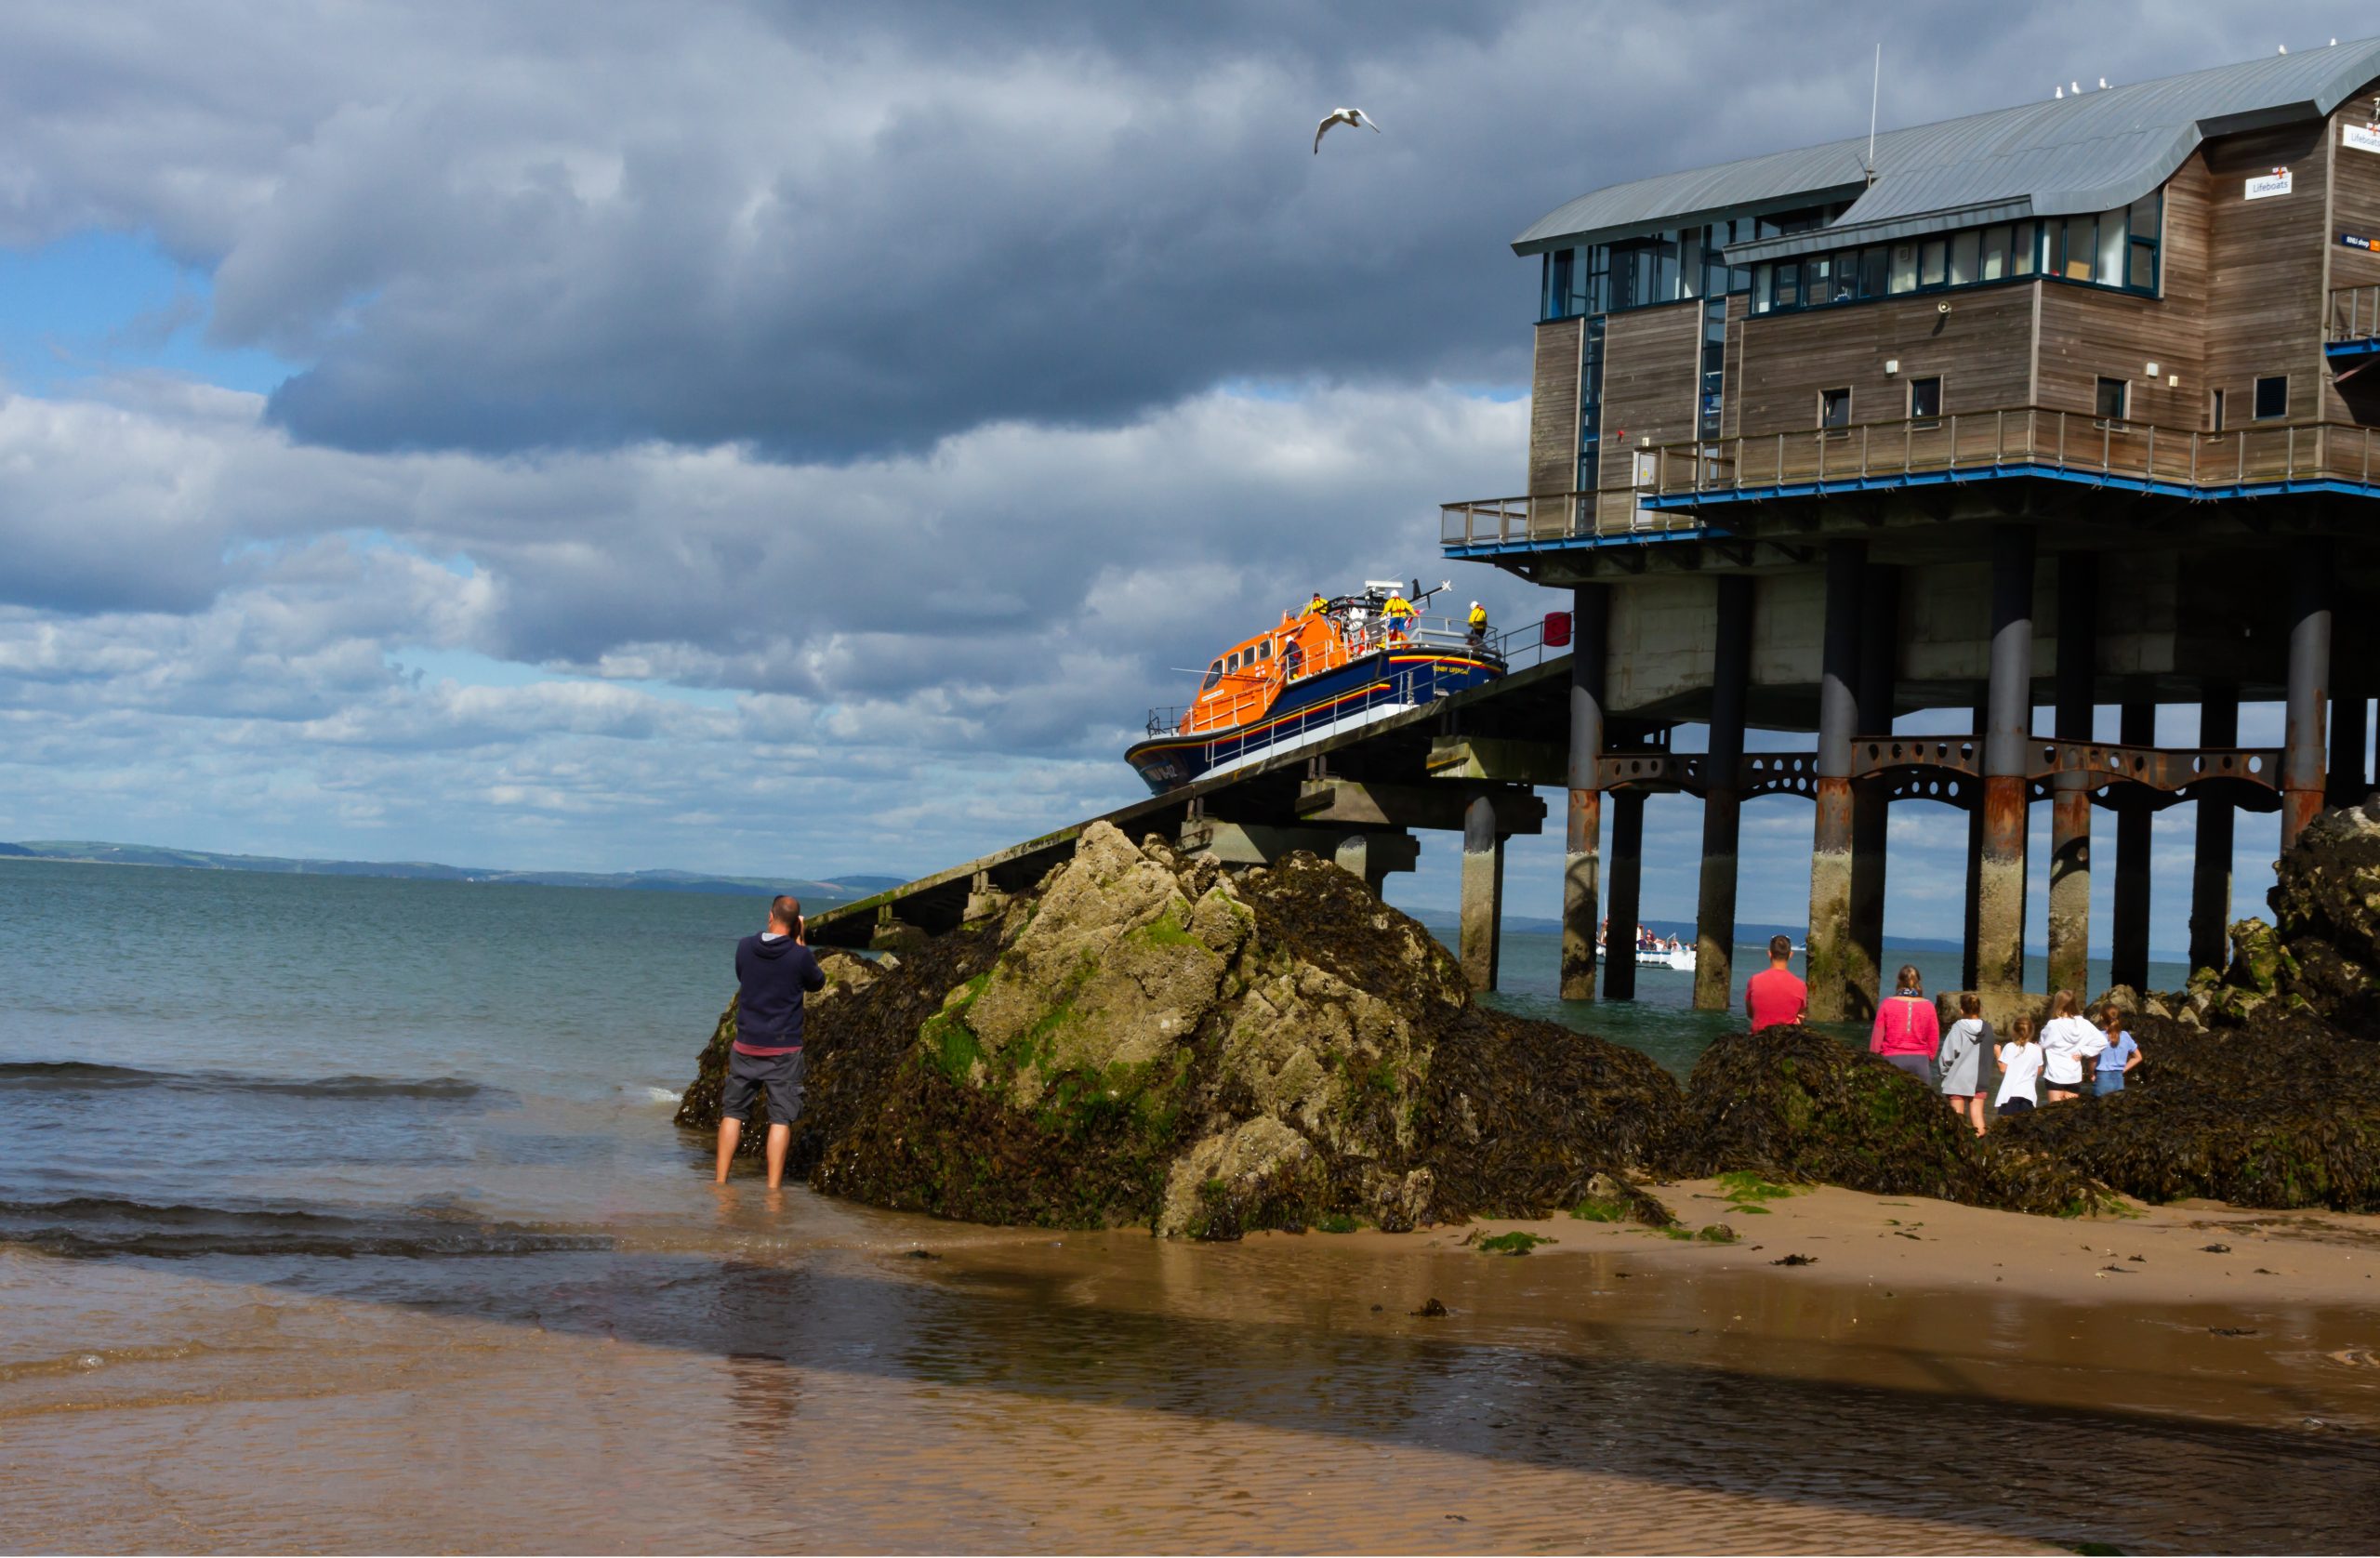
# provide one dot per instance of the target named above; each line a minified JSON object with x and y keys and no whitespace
{"x":1678,"y":486}
{"x":2351,"y":330}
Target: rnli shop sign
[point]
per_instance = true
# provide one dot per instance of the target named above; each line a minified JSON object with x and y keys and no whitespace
{"x":2263,"y":186}
{"x":2361,"y":137}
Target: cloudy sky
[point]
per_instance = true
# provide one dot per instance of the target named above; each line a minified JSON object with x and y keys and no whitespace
{"x":804,"y":439}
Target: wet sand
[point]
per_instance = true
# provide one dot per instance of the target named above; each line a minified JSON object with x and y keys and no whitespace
{"x":1941,"y":1379}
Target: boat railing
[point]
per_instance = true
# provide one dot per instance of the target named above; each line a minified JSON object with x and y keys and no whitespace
{"x":1403,"y":687}
{"x":1365,"y":635}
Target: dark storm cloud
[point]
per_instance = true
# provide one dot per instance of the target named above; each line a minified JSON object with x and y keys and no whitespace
{"x":830,"y":233}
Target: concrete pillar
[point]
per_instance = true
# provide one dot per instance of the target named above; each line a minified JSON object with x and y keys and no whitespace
{"x":1483,"y":893}
{"x":1373,"y":855}
{"x":1975,"y":856}
{"x":1714,"y":911}
{"x":2303,"y":756}
{"x":1830,"y":838}
{"x":1879,"y":654}
{"x":2128,"y":947}
{"x":2350,"y":777}
{"x":2000,"y":885}
{"x":2069,"y":849}
{"x":1581,"y":870}
{"x":2218,"y":725}
{"x":1627,"y":882}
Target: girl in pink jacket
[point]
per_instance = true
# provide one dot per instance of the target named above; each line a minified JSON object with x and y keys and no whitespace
{"x":1907,"y":1033}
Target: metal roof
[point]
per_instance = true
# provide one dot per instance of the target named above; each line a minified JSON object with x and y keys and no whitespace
{"x":2090,"y":152}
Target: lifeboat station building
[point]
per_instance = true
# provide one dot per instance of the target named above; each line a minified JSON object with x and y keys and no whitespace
{"x":2057,"y":406}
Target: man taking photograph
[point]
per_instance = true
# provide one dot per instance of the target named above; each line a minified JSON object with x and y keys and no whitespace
{"x":773,"y":971}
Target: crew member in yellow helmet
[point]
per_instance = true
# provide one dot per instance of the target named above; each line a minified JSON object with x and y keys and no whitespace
{"x":1478,"y":626}
{"x":1399,"y":611}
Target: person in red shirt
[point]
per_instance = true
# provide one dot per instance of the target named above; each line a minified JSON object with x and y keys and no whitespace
{"x":1774,"y":997}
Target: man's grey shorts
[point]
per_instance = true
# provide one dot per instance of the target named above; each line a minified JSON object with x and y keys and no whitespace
{"x":780,"y":1073}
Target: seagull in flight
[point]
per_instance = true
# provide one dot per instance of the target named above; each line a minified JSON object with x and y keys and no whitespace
{"x":1342,"y":116}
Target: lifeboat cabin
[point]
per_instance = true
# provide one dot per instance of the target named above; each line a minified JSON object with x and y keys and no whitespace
{"x":1333,"y":665}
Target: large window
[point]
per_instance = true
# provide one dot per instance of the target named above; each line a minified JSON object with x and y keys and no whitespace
{"x":1589,"y":404}
{"x":2111,"y":248}
{"x":1669,"y":267}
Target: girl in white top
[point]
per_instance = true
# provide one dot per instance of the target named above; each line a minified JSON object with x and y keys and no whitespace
{"x":2068,"y":1041}
{"x":2020,"y":1064}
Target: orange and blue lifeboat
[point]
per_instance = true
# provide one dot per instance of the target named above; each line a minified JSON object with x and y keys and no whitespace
{"x":1338,"y":664}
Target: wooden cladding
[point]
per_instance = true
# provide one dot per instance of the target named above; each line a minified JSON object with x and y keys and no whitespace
{"x":1553,"y":408}
{"x":1652,"y":358}
{"x":1982,"y":349}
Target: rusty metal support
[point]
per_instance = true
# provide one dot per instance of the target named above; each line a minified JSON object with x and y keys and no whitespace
{"x":2350,"y":777}
{"x":1481,"y":932}
{"x":1871,"y":797}
{"x":2069,"y":849}
{"x":2000,"y":885}
{"x":1627,"y":882}
{"x":2128,"y":946}
{"x":2218,"y":725}
{"x":1581,"y":870}
{"x":1715,"y":912}
{"x":1975,"y":863}
{"x":2302,"y":755}
{"x":1830,"y":843}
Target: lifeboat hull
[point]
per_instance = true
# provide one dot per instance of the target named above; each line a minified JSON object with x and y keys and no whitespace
{"x":1362,"y":691}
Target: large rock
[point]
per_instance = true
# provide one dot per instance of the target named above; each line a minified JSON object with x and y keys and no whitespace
{"x":1795,"y":1103}
{"x":2325,"y":901}
{"x":2275,"y":1113}
{"x":1144,"y":1040}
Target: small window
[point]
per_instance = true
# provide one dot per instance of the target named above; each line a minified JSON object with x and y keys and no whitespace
{"x":1214,"y":675}
{"x":1933,"y":263}
{"x":1834,"y":408}
{"x":1925,"y":397}
{"x":2111,"y":398}
{"x":1265,"y":649}
{"x":1904,"y":276}
{"x":2214,"y":412}
{"x":2024,"y":250}
{"x":1966,"y":249}
{"x":2272,"y":397}
{"x":2081,"y":248}
{"x":1994,"y":265}
{"x":1789,"y":285}
{"x":1875,"y":264}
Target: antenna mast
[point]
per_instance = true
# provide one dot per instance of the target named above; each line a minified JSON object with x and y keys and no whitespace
{"x":1875,"y":89}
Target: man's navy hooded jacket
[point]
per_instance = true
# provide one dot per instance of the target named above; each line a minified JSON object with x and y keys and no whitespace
{"x":771,"y":973}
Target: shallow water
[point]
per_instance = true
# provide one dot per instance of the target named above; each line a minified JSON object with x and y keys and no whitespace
{"x":341,"y":1214}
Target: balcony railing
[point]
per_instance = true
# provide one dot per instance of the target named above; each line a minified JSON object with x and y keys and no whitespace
{"x":1673,"y":479}
{"x":2354,"y":316}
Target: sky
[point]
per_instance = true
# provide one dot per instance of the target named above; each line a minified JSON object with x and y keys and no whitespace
{"x":807,"y":438}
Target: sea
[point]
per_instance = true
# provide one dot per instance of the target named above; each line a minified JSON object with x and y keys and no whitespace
{"x":346,"y":1213}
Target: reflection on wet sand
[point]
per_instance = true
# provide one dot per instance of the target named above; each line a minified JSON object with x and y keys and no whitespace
{"x":803,"y":1383}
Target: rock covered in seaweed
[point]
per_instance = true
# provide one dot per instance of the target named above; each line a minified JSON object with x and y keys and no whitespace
{"x":1144,"y":1040}
{"x":2280,"y":1113}
{"x":2325,"y":900}
{"x":1795,"y":1103}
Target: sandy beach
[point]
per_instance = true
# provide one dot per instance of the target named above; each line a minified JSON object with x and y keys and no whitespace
{"x":825,"y":1377}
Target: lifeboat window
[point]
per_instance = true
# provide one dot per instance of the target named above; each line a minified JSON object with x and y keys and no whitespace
{"x":1214,"y":674}
{"x":1265,"y":649}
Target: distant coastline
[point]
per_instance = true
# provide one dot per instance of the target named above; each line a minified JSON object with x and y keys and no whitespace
{"x":839,"y":890}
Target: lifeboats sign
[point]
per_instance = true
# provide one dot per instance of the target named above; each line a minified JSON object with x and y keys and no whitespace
{"x":2361,"y":137}
{"x":2263,"y":186}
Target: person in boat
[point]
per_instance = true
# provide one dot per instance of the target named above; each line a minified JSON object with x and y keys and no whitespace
{"x":1478,"y":626}
{"x":1317,"y":606}
{"x":1399,"y":612}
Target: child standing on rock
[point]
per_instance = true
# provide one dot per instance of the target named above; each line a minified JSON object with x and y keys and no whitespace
{"x":2121,"y":1055}
{"x":2020,"y":1069}
{"x":1962,"y":1060}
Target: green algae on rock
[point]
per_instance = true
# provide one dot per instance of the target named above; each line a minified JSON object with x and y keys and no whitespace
{"x":1145,"y":1039}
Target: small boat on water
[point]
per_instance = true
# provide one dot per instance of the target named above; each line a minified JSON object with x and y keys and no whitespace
{"x":1653,"y":952}
{"x":1339,"y":663}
